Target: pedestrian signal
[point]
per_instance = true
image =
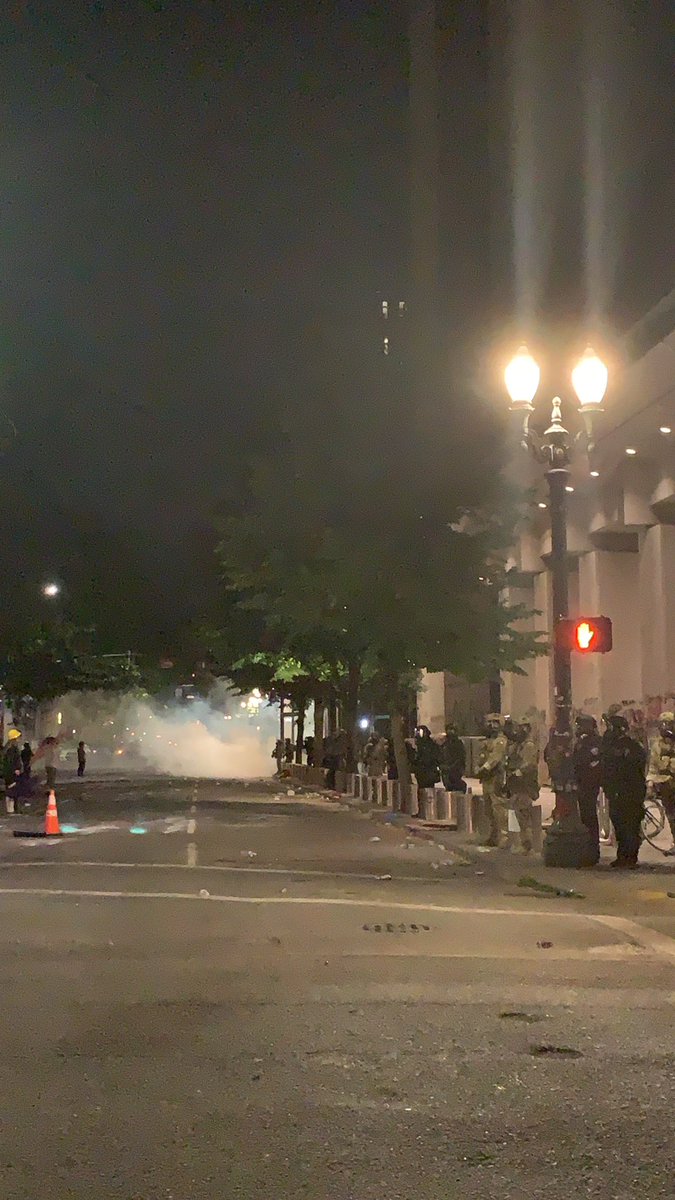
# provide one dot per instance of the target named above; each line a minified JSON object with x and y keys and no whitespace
{"x":585,"y":635}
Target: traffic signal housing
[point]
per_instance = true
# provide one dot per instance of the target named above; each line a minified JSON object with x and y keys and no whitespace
{"x":584,"y":635}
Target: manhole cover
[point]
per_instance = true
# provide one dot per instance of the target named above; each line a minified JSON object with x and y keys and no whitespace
{"x":391,"y":928}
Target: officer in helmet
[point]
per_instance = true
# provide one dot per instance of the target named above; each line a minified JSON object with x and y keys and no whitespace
{"x":586,"y":756}
{"x":622,"y":775}
{"x":522,"y":777}
{"x":491,"y":761}
{"x":661,"y":772}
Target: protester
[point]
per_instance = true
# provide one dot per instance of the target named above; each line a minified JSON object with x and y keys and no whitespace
{"x":521,"y":771}
{"x":288,"y":751}
{"x":50,"y":753}
{"x":661,"y":774}
{"x":12,"y":765}
{"x":278,"y":754}
{"x":81,"y":759}
{"x":375,"y":755}
{"x":623,"y":762}
{"x":27,"y":758}
{"x":308,"y":746}
{"x":453,"y":761}
{"x":426,"y":764}
{"x":586,"y":758}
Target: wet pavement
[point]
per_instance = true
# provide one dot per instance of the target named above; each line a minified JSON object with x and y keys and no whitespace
{"x":214,"y":989}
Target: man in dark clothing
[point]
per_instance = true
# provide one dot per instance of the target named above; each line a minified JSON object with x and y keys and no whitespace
{"x":453,"y":761}
{"x":288,"y":750}
{"x":81,"y":759}
{"x":27,"y":758}
{"x":586,"y":756}
{"x":426,"y":764}
{"x":309,"y":749}
{"x":623,"y":762}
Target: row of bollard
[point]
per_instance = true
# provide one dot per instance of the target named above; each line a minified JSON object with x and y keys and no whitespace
{"x":466,"y":811}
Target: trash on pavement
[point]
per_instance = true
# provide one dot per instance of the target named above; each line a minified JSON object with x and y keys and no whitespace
{"x":544,"y":945}
{"x":382,"y":878}
{"x":204,"y":894}
{"x":290,"y":792}
{"x":547,"y":889}
{"x":374,"y":839}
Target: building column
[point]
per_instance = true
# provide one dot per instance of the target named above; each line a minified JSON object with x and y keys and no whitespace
{"x":609,"y":586}
{"x":657,"y":610}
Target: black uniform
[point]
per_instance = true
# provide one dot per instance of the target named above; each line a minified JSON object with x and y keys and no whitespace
{"x":623,"y":762}
{"x":453,"y":763}
{"x":586,"y":758}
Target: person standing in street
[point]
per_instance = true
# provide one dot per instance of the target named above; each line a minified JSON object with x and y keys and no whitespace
{"x":308,"y":746}
{"x":661,"y":772}
{"x":453,"y":761}
{"x":522,"y":778}
{"x":491,"y":762}
{"x":426,"y":764}
{"x":27,"y":758}
{"x":81,"y":759}
{"x":51,"y":757}
{"x":586,"y":757}
{"x":623,"y":761}
{"x":12,"y":765}
{"x":278,"y":755}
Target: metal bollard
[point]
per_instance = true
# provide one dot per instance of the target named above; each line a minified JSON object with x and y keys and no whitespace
{"x":442,"y":805}
{"x":537,"y":834}
{"x":462,"y":803}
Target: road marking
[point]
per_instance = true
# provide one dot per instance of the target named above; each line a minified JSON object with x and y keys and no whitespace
{"x":191,"y":826}
{"x":647,"y":939}
{"x":432,"y":880}
{"x":192,"y":854}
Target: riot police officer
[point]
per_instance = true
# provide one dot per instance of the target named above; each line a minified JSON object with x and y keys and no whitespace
{"x":491,"y":774}
{"x":522,"y":777}
{"x":661,"y":773}
{"x":586,"y":756}
{"x":622,"y":776}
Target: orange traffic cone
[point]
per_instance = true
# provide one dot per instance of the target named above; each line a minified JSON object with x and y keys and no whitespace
{"x":52,"y":827}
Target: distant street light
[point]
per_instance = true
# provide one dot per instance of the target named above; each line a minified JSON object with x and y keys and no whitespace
{"x":51,"y":590}
{"x":554,"y":448}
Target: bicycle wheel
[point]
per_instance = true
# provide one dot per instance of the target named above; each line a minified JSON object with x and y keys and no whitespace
{"x":653,"y":822}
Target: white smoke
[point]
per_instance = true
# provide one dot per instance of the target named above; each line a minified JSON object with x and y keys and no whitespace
{"x":223,"y":737}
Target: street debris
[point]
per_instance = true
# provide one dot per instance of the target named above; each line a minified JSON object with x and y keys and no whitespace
{"x":204,"y":894}
{"x":290,"y":792}
{"x":547,"y":889}
{"x":528,"y":1018}
{"x":544,"y":945}
{"x":248,"y":854}
{"x":382,"y":878}
{"x":374,"y":839}
{"x":559,"y":1051}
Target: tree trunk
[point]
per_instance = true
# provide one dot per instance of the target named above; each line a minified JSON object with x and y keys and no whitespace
{"x":402,"y":763}
{"x":351,"y":706}
{"x":319,"y":710}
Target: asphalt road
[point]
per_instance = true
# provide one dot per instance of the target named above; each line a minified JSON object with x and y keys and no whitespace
{"x":210,"y":991}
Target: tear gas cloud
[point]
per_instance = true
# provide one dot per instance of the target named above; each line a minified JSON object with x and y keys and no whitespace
{"x":222,"y":736}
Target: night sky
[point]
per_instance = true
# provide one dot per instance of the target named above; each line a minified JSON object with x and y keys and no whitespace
{"x":199,"y":196}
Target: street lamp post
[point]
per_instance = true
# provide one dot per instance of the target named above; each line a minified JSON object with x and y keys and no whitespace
{"x":555,"y":449}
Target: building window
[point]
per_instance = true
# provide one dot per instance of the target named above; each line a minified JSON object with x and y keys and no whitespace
{"x":385,"y":309}
{"x":385,"y":345}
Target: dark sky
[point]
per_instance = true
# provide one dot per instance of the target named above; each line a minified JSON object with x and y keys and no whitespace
{"x":196,"y":195}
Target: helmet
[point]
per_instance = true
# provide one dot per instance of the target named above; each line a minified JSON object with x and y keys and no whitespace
{"x":585,"y":723}
{"x":13,"y":735}
{"x":617,"y":722}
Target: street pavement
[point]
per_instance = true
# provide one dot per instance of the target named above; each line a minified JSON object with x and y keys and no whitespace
{"x":216,"y":989}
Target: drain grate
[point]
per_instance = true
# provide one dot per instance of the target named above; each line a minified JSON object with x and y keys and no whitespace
{"x":391,"y":928}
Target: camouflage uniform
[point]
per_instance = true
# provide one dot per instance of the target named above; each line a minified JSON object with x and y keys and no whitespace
{"x":491,"y":774}
{"x":661,"y":771}
{"x":522,"y":784}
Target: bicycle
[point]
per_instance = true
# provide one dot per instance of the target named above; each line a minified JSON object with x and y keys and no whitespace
{"x":654,"y":820}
